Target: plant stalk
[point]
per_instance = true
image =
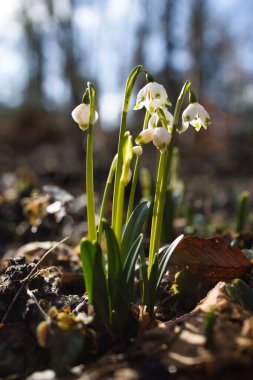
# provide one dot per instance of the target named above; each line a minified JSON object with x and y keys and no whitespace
{"x":136,"y":175}
{"x":161,"y":183}
{"x":90,"y":187}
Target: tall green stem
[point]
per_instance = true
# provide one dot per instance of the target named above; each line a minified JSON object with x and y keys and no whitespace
{"x":118,"y":195}
{"x":136,"y":174}
{"x":105,"y":197}
{"x":90,"y":186}
{"x":161,"y":183}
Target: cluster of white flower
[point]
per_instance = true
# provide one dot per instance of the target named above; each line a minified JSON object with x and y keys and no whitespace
{"x":153,"y":97}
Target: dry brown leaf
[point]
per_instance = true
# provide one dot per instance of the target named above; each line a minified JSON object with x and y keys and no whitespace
{"x":211,"y":259}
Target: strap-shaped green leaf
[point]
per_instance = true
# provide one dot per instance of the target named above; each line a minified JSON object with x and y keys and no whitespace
{"x":133,"y":227}
{"x":129,"y":268}
{"x":94,"y":277}
{"x":113,"y":253}
{"x":153,"y":278}
{"x":114,"y":278}
{"x":165,"y":260}
{"x":87,"y":252}
{"x":145,"y":282}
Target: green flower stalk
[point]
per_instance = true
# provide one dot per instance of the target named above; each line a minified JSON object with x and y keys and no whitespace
{"x":161,"y":183}
{"x":106,"y":196}
{"x":86,"y":116}
{"x":136,"y":173}
{"x":118,"y":196}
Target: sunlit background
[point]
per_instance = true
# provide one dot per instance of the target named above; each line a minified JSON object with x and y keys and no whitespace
{"x":50,"y":49}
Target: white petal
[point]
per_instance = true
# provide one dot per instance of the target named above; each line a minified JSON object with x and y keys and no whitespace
{"x":161,"y":137}
{"x":196,"y":123}
{"x":153,"y":121}
{"x":145,"y":136}
{"x":184,"y":127}
{"x":169,"y":117}
{"x":190,"y":112}
{"x":152,"y":104}
{"x":141,"y":97}
{"x":204,"y":115}
{"x":158,"y":92}
{"x":81,"y":114}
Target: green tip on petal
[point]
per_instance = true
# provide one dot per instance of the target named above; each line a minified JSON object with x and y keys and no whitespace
{"x":84,"y":127}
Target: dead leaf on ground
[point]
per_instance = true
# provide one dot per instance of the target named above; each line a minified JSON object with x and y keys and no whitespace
{"x":212,"y":259}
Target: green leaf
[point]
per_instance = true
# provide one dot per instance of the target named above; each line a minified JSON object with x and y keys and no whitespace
{"x":153,"y":278}
{"x":94,"y":277}
{"x":113,"y":253}
{"x":129,"y":268}
{"x":165,"y":260}
{"x":100,"y":293}
{"x":145,"y":282}
{"x":130,"y":84}
{"x":114,"y":278}
{"x":133,"y":228}
{"x":87,"y":252}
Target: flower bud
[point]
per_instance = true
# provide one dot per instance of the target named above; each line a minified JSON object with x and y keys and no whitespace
{"x":137,"y":150}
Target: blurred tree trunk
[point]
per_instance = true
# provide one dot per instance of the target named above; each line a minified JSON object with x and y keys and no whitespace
{"x":168,"y":74}
{"x":65,"y":38}
{"x":35,"y":60}
{"x":196,"y":44}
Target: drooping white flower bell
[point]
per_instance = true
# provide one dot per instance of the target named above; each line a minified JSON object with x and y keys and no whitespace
{"x":152,"y":96}
{"x":81,"y":116}
{"x":145,"y":136}
{"x":196,"y":115}
{"x":161,"y":138}
{"x":154,"y":119}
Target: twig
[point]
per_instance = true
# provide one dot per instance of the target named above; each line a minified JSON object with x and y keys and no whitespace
{"x":23,"y":282}
{"x":30,"y":294}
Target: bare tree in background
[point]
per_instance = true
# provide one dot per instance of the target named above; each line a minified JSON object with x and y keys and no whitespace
{"x":34,"y":40}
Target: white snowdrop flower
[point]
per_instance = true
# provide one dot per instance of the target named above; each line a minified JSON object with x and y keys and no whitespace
{"x":145,"y":136}
{"x":152,"y":96}
{"x":81,"y":116}
{"x":161,"y":138}
{"x":154,"y":119}
{"x":196,"y":115}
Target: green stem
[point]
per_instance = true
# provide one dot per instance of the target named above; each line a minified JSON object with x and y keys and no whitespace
{"x":90,"y":187}
{"x":136,"y":175}
{"x":120,"y":211}
{"x":161,"y":183}
{"x":157,"y":212}
{"x":118,"y":195}
{"x":118,"y":171}
{"x":105,"y":197}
